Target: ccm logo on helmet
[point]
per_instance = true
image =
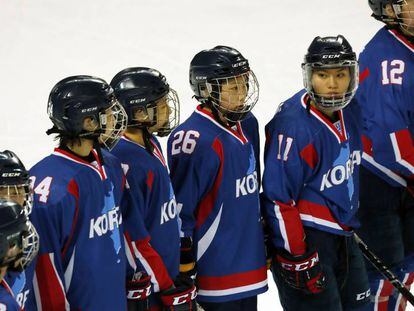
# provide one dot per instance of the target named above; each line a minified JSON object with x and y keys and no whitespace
{"x":137,"y":101}
{"x":10,"y":175}
{"x":239,"y":64}
{"x":331,"y":56}
{"x":89,"y":109}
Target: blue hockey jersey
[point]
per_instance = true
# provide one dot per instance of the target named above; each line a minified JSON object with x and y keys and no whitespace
{"x":7,"y":301}
{"x":214,"y":175}
{"x":311,"y":172}
{"x":21,"y":284}
{"x":157,"y":243}
{"x":76,"y":211}
{"x":386,"y":98}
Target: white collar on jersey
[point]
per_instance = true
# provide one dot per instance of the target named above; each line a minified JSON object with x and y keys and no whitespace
{"x":340,"y":136}
{"x":238,"y":134}
{"x":157,"y":152}
{"x":98,"y":168}
{"x":402,"y":39}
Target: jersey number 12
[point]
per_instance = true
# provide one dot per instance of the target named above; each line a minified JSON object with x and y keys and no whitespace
{"x":392,"y":73}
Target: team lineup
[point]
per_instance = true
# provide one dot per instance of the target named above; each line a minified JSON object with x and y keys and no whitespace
{"x":106,"y":222}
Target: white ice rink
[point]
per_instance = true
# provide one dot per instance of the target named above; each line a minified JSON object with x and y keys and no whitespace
{"x":43,"y":41}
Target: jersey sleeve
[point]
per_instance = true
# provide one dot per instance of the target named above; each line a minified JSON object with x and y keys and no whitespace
{"x":288,"y":162}
{"x":193,"y":175}
{"x":55,"y":220}
{"x":388,"y":118}
{"x":140,"y":254}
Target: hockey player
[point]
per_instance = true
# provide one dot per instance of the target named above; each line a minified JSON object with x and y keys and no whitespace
{"x":14,"y":186}
{"x":19,"y":244}
{"x":310,"y":182}
{"x":387,"y":174}
{"x":214,"y":174}
{"x":76,"y":205}
{"x":152,"y":107}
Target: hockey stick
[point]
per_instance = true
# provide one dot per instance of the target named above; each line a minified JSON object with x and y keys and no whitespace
{"x":385,"y":271}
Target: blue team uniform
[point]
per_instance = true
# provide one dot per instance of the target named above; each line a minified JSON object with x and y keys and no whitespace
{"x":311,"y":173}
{"x":81,"y":262}
{"x":311,"y":192}
{"x":214,"y":173}
{"x":385,"y":96}
{"x":7,"y":300}
{"x":157,"y":243}
{"x":21,"y":283}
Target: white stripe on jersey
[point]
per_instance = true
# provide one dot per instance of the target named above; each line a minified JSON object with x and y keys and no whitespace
{"x":208,"y":237}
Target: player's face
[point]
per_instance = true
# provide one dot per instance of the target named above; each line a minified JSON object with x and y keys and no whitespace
{"x":14,"y":193}
{"x":407,"y":15}
{"x":163,"y":115}
{"x":233,"y":93}
{"x":113,"y":122}
{"x":332,"y":83}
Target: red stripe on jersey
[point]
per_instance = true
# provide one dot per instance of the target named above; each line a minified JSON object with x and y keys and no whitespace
{"x":310,"y":155}
{"x":150,"y":179}
{"x":207,"y":203}
{"x":318,"y":211}
{"x":410,"y":279}
{"x":366,"y":145}
{"x":363,"y":75}
{"x":293,"y":226}
{"x":402,"y":38}
{"x":405,"y":145}
{"x":52,"y":296}
{"x":155,"y":262}
{"x":232,"y":280}
{"x":7,"y":287}
{"x":384,"y":296}
{"x":73,"y":189}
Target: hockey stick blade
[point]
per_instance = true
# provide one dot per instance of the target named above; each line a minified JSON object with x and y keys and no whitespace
{"x":385,"y":271}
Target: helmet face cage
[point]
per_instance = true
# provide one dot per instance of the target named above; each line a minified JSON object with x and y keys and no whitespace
{"x":173,"y":119}
{"x":30,"y":245}
{"x":17,"y":193}
{"x":152,"y":113}
{"x":326,"y":101}
{"x":404,"y":10}
{"x":242,"y":93}
{"x":113,"y":122}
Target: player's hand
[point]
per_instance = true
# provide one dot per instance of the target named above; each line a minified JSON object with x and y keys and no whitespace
{"x":187,"y":260}
{"x":301,"y":272}
{"x":181,"y":297}
{"x":138,"y":291}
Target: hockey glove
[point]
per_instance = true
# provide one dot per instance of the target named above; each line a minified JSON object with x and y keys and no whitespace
{"x":138,"y":291}
{"x":181,"y":297}
{"x":187,"y":261}
{"x":301,"y":272}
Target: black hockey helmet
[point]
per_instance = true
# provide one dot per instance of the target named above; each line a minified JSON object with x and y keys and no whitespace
{"x":141,"y":89}
{"x":211,"y":69}
{"x":14,"y":180}
{"x":76,"y":98}
{"x":378,"y":12}
{"x":16,"y":231}
{"x":329,"y":53}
